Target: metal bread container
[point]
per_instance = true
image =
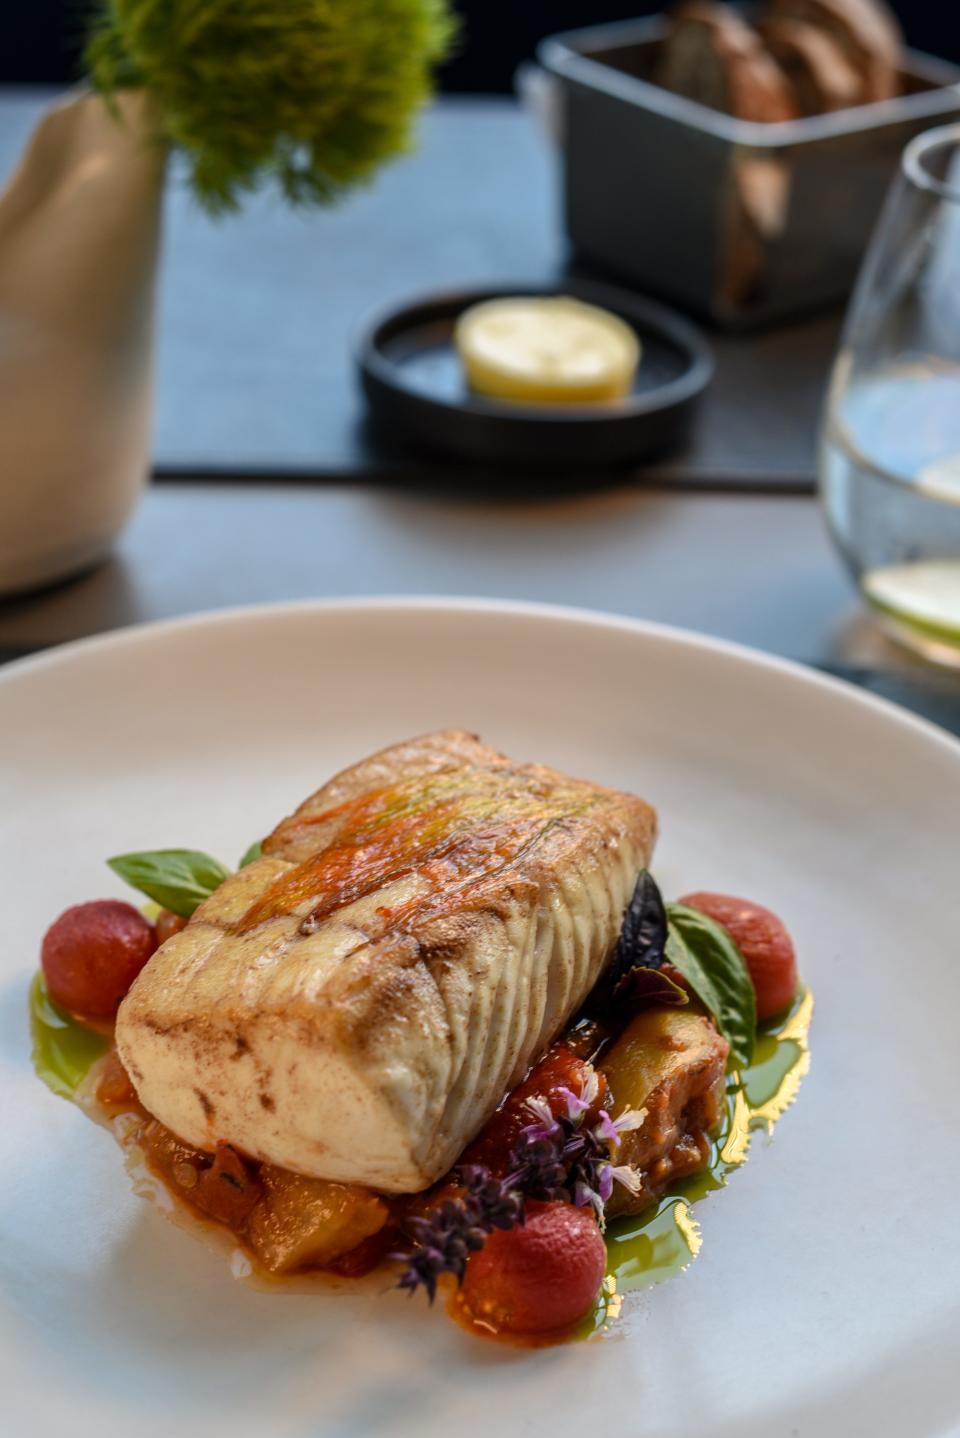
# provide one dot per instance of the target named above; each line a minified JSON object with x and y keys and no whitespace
{"x":740,"y":222}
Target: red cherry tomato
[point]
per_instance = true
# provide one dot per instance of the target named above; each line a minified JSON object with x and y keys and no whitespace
{"x":559,"y":1068}
{"x":541,"y":1276}
{"x":762,"y":940}
{"x":92,"y":954}
{"x":167,"y":924}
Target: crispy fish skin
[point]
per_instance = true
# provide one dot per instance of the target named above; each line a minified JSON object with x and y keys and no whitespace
{"x":355,"y":1004}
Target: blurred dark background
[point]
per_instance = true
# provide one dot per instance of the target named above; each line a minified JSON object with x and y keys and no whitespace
{"x":43,"y":38}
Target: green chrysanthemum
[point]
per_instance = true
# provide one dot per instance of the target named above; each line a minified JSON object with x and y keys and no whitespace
{"x":315,"y":94}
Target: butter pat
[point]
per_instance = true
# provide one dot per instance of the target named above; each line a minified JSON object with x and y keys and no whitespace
{"x":546,"y":350}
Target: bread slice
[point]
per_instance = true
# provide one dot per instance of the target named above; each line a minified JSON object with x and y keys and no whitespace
{"x":822,"y":76}
{"x":866,"y":31}
{"x":713,"y":56}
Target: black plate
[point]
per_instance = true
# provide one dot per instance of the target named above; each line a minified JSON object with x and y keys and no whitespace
{"x":416,"y":389}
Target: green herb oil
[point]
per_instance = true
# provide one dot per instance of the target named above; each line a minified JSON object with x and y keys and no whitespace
{"x":63,"y":1048}
{"x":663,"y":1241}
{"x":641,"y":1251}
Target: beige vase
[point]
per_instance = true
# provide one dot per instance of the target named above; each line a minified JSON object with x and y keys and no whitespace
{"x":79,"y":231}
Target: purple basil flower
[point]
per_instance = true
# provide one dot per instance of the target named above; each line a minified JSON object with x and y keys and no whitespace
{"x":456,"y":1228}
{"x":554,"y":1158}
{"x":577,"y":1104}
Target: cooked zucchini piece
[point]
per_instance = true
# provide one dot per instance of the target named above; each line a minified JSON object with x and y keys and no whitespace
{"x":671,"y":1063}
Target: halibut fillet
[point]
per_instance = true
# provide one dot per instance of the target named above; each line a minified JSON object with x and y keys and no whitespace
{"x":355,"y":1004}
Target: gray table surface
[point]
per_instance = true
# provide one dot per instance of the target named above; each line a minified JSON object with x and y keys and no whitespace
{"x":254,"y":377}
{"x":259,"y":313}
{"x":758,"y":569}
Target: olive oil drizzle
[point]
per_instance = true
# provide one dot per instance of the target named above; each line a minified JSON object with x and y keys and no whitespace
{"x":662,"y":1242}
{"x":63,"y":1048}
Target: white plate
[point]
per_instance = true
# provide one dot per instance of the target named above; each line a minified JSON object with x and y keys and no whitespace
{"x":826,"y":1300}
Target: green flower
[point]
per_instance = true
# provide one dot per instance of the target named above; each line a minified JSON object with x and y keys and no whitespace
{"x":312,"y":94}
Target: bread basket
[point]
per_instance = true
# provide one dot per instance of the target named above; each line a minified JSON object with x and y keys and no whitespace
{"x":742,"y":223}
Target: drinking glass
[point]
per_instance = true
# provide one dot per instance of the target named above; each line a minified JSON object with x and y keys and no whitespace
{"x":889,"y":458}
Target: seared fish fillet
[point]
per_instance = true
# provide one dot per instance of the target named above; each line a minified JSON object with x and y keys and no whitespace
{"x":355,"y":1004}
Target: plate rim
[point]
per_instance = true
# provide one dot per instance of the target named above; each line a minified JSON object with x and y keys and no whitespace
{"x":589,"y":618}
{"x":611,"y":631}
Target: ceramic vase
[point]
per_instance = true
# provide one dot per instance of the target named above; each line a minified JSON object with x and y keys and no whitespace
{"x":79,"y":232}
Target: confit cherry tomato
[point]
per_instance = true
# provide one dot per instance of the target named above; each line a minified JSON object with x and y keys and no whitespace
{"x":541,"y":1276}
{"x":92,"y":954}
{"x":167,"y":924}
{"x":763,"y":941}
{"x":559,"y":1069}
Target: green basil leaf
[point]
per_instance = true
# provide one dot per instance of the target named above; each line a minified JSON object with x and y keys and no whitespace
{"x":715,"y":969}
{"x":254,"y":852}
{"x":63,"y":1048}
{"x":652,"y":986}
{"x":178,"y":879}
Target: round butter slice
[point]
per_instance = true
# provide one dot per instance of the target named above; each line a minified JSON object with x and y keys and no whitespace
{"x":552,"y":351}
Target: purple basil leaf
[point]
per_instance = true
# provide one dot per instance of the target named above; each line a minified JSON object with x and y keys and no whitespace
{"x":633,"y":976}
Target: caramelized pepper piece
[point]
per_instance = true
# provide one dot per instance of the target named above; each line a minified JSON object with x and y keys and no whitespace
{"x":221,"y":1185}
{"x":227,"y":1190}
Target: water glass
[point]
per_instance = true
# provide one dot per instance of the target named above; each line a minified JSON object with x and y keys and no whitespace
{"x":889,"y":459}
